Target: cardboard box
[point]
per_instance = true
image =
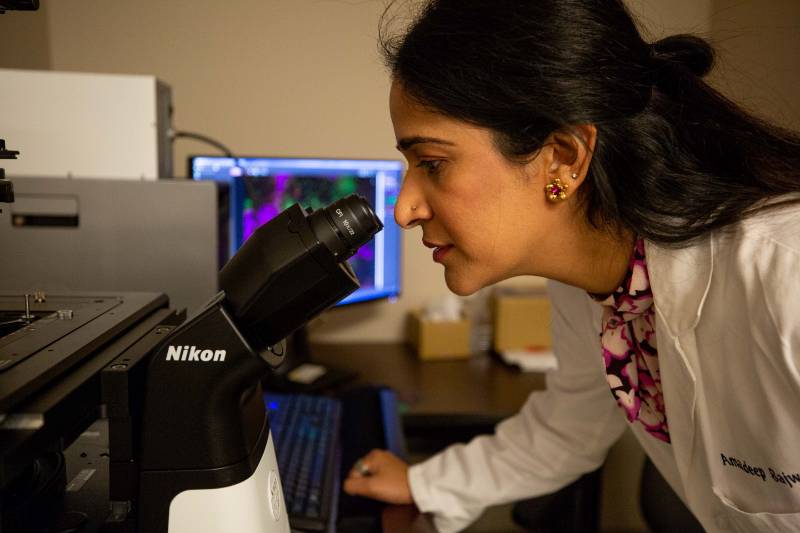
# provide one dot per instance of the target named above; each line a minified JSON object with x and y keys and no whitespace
{"x":521,"y":319}
{"x":439,"y":340}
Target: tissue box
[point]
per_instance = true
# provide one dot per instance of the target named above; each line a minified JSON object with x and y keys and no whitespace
{"x":438,"y":339}
{"x":521,"y":319}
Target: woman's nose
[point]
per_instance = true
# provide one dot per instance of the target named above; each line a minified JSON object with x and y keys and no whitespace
{"x":411,"y":209}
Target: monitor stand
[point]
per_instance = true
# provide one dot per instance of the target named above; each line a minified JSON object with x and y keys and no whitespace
{"x":300,"y":374}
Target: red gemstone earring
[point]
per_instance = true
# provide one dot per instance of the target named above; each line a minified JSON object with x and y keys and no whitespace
{"x":556,"y":191}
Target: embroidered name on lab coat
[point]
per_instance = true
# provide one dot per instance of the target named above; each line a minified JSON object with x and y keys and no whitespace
{"x":778,"y":477}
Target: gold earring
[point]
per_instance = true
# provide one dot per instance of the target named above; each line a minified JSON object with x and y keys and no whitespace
{"x":556,"y":191}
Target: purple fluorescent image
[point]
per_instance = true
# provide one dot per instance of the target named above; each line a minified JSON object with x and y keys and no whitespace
{"x":267,"y":196}
{"x":253,"y":218}
{"x":365,"y":253}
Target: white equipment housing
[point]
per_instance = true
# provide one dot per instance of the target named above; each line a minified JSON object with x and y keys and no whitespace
{"x":68,"y":124}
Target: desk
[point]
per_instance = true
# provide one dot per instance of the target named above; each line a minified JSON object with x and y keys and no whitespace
{"x":479,"y":388}
{"x":467,"y":393}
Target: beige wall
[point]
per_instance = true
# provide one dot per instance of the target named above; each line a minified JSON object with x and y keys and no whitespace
{"x":660,"y":18}
{"x":24,"y":41}
{"x":759,"y":64}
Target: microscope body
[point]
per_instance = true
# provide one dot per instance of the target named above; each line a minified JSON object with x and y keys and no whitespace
{"x":190,"y":443}
{"x":207,"y":460}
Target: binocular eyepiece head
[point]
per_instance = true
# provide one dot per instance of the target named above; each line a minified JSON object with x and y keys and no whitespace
{"x":295,"y":266}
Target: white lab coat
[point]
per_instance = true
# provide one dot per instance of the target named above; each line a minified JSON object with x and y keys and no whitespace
{"x":728,"y":335}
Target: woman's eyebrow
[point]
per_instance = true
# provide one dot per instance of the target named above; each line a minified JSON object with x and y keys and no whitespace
{"x":406,"y":143}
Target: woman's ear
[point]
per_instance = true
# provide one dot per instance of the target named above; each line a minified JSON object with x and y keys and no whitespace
{"x":571,"y":153}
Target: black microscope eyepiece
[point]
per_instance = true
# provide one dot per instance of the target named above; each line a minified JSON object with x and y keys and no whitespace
{"x":345,"y":225}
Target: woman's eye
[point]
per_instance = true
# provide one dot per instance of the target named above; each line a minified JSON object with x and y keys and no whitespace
{"x":431,"y":166}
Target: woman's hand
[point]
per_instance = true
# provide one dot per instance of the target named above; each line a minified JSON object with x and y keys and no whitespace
{"x":380,"y":475}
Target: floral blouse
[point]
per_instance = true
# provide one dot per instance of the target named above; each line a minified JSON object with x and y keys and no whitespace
{"x":628,"y":339}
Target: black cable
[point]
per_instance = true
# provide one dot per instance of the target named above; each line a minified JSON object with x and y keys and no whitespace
{"x":175,"y":134}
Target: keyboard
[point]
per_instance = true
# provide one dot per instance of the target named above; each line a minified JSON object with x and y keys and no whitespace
{"x":305,"y":430}
{"x":317,"y":440}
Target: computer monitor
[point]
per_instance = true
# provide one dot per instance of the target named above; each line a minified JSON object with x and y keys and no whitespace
{"x":262,"y":187}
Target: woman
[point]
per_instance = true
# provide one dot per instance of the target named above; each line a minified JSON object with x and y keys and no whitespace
{"x":547,"y":138}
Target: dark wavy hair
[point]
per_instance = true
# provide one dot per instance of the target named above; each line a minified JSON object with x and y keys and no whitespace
{"x":674,"y":159}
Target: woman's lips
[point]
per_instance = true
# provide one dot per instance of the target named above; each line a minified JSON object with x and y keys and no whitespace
{"x":440,"y":251}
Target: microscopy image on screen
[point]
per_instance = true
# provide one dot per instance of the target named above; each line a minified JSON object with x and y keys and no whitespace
{"x":258,"y":188}
{"x":266,"y":196}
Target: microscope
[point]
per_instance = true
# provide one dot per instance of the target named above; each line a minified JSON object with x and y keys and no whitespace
{"x":190,"y":444}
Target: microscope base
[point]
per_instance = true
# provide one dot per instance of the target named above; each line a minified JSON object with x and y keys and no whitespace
{"x":254,"y":505}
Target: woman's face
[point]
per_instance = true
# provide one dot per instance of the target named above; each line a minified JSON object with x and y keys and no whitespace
{"x":486,"y":219}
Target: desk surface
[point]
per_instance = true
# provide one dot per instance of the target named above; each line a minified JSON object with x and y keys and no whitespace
{"x":479,"y":387}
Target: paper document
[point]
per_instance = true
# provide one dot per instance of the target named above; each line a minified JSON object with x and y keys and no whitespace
{"x":530,"y":360}
{"x":307,"y":373}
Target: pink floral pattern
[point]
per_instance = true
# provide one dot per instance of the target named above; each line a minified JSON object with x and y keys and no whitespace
{"x":628,"y":338}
